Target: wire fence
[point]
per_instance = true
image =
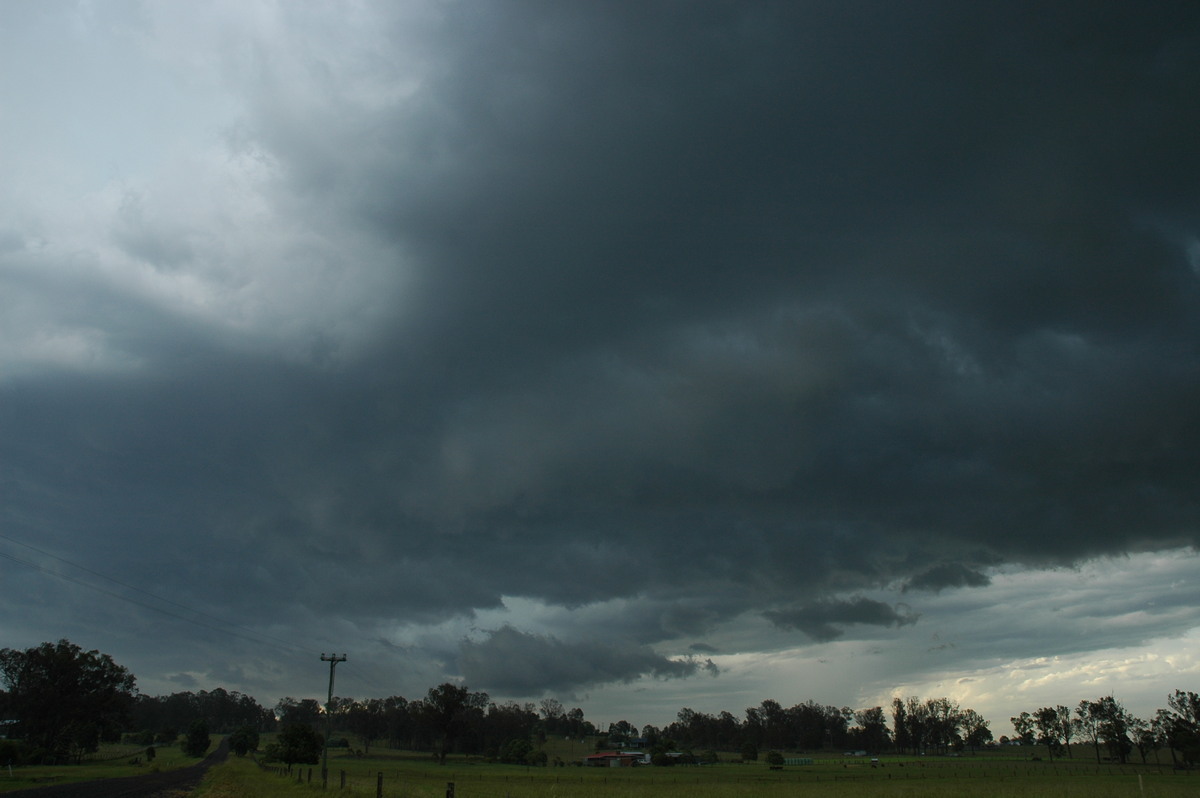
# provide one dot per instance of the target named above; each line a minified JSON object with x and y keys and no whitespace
{"x":363,"y":782}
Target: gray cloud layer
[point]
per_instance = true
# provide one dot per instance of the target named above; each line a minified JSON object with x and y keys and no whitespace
{"x":723,"y":308}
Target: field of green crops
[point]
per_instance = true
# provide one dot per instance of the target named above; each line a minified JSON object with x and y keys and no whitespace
{"x":997,"y":776}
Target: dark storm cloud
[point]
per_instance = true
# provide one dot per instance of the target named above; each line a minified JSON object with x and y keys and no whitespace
{"x":824,"y":620}
{"x":946,"y":575}
{"x":707,"y":308}
{"x":517,"y":663}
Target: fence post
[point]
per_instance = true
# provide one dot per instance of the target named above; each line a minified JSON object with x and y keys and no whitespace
{"x":343,"y":781}
{"x":379,"y":785}
{"x":449,"y":789}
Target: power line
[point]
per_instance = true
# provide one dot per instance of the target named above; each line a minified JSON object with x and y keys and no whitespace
{"x":249,"y":634}
{"x":218,"y":625}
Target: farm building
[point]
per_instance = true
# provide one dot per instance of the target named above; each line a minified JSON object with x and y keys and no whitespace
{"x":615,"y":759}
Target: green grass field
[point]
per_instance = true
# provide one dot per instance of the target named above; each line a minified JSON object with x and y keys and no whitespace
{"x":111,"y":761}
{"x":999,"y":775}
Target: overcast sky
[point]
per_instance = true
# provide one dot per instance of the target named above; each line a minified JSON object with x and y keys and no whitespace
{"x":644,"y":355}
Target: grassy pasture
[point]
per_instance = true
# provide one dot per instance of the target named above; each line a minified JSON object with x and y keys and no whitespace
{"x":111,"y":761}
{"x":1001,"y":776}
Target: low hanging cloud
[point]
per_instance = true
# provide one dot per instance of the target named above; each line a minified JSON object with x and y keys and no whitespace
{"x":945,"y":576}
{"x":518,"y":663}
{"x":825,"y":620}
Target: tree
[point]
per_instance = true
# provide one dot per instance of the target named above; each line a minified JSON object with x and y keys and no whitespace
{"x":917,"y":723}
{"x":872,"y":725}
{"x":1066,"y":727}
{"x":944,"y":721}
{"x":1087,"y":720}
{"x":1105,"y":721}
{"x":1049,"y":730}
{"x":577,"y":726}
{"x":244,"y":740}
{"x":290,"y":711}
{"x":368,"y":720}
{"x":1144,"y":737}
{"x":516,"y":751}
{"x":447,"y":711}
{"x":1023,"y":726}
{"x":197,"y":741}
{"x":1114,"y":727}
{"x":975,"y":729}
{"x":1182,"y":725}
{"x":900,"y":725}
{"x":553,"y":714}
{"x":298,"y":744}
{"x":65,"y":698}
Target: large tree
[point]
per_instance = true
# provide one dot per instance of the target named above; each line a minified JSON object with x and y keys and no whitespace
{"x":975,"y":729}
{"x":66,"y":699}
{"x":1181,"y":725}
{"x":1114,"y":727}
{"x":1088,"y":720}
{"x":368,"y":720}
{"x":1023,"y":725}
{"x":447,"y":711}
{"x":872,"y":726}
{"x":306,"y":711}
{"x":1049,"y":730}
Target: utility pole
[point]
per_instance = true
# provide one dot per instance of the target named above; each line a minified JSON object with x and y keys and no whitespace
{"x":333,"y":660}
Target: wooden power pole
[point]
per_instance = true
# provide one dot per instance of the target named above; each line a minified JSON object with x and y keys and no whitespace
{"x":333,"y":660}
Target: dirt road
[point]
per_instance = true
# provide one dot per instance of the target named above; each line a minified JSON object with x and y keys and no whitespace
{"x":153,"y":785}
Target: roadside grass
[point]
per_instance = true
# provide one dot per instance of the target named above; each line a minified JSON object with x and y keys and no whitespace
{"x":110,"y":762}
{"x":410,"y":775}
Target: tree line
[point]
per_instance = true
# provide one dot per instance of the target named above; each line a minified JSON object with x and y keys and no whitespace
{"x":1107,"y":726}
{"x":65,"y":701}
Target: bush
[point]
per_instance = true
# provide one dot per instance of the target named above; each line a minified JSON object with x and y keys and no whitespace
{"x":197,"y":741}
{"x":300,"y":745}
{"x":272,"y":753}
{"x":244,"y":740}
{"x":516,"y":751}
{"x":15,"y":751}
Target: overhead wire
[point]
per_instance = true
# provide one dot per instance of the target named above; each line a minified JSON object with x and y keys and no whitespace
{"x":225,"y":626}
{"x":218,"y":624}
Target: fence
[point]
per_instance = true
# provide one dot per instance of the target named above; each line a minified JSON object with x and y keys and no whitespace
{"x":492,"y":785}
